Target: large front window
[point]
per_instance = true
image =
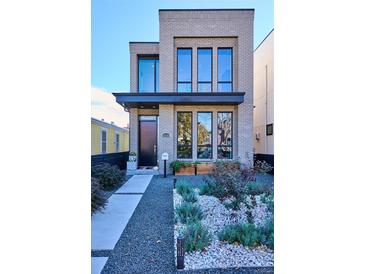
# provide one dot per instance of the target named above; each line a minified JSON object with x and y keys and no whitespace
{"x":224,"y":69}
{"x":204,"y":69}
{"x":148,"y":74}
{"x":224,"y":135}
{"x":184,"y":135}
{"x":184,"y":64}
{"x":204,"y":135}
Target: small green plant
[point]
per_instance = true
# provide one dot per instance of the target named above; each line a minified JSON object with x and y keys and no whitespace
{"x":98,"y":201}
{"x":197,"y":237}
{"x":188,"y":212}
{"x":268,"y":199}
{"x":177,"y":165}
{"x":235,"y":204}
{"x":262,"y":166}
{"x":257,"y":188}
{"x":183,"y":187}
{"x":248,"y":234}
{"x":189,"y":197}
{"x":245,"y":234}
{"x":132,"y":153}
{"x":108,"y":176}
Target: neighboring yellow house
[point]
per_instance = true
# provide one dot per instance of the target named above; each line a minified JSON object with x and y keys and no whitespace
{"x":108,"y":138}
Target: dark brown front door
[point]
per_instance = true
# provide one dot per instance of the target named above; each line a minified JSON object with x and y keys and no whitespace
{"x":147,"y":141}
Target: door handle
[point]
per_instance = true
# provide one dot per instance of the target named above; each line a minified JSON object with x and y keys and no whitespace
{"x":154,"y":149}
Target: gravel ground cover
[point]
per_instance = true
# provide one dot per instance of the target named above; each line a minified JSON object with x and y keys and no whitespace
{"x":146,"y":245}
{"x":219,"y":254}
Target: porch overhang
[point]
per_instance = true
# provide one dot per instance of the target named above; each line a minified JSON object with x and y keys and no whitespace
{"x":153,"y":100}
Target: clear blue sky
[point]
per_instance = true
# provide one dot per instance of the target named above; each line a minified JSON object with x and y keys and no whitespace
{"x":116,"y":22}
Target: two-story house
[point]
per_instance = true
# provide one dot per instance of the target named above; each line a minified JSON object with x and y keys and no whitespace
{"x":191,"y":93}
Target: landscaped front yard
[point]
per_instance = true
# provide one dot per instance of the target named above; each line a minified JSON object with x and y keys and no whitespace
{"x":226,"y":218}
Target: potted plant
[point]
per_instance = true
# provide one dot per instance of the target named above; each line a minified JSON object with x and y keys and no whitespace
{"x":132,"y":156}
{"x":132,"y":163}
{"x":204,"y":168}
{"x":182,"y":168}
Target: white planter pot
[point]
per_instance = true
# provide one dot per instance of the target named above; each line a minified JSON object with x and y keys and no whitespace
{"x":131,"y":165}
{"x":133,"y":158}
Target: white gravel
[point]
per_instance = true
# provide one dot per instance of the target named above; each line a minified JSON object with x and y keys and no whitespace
{"x":220,"y":254}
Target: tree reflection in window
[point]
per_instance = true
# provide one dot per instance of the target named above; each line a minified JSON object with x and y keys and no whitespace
{"x":204,"y":135}
{"x":224,"y":135}
{"x":184,"y":136}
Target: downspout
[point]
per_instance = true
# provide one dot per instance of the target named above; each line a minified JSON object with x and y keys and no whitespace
{"x":265,"y":109}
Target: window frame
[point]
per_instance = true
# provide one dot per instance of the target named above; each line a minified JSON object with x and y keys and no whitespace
{"x":270,"y":133}
{"x":231,"y":146}
{"x":225,"y":82}
{"x":177,"y":135}
{"x":211,"y":135}
{"x":101,"y":140}
{"x":177,"y":70}
{"x":117,"y":148}
{"x":154,"y":57}
{"x":211,"y":70}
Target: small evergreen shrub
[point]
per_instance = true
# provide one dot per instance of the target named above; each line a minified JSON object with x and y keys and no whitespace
{"x":244,"y":234}
{"x":189,"y":197}
{"x":197,"y":237}
{"x":262,"y":166}
{"x":248,"y":234}
{"x":98,"y":201}
{"x":257,"y":188}
{"x":188,"y":212}
{"x":108,"y":176}
{"x":235,"y":204}
{"x":183,"y":188}
{"x":268,"y":199}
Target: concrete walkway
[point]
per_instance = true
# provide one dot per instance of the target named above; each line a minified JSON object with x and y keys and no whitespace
{"x":107,"y":226}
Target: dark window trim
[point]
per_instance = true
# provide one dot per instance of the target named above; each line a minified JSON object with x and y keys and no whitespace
{"x":211,"y":134}
{"x":272,"y":129}
{"x":147,"y":57}
{"x":177,"y":134}
{"x":225,"y":82}
{"x":231,"y":146}
{"x":177,"y":69}
{"x":211,"y":69}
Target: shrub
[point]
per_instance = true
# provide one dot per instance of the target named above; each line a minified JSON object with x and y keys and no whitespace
{"x":98,"y":201}
{"x":108,"y":176}
{"x":262,"y":166}
{"x":268,"y":199}
{"x":248,"y":234}
{"x":188,"y":212}
{"x":228,"y":180}
{"x":189,"y":197}
{"x":235,"y":204}
{"x":183,"y":188}
{"x":197,"y":237}
{"x":177,"y":165}
{"x":257,"y":188}
{"x":245,"y":234}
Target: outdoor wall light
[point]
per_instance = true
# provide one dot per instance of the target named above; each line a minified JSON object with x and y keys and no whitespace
{"x":180,"y":252}
{"x":174,"y":183}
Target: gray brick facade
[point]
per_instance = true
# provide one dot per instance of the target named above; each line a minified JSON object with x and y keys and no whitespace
{"x":199,"y":28}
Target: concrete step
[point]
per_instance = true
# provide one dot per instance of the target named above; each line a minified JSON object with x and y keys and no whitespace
{"x":143,"y":172}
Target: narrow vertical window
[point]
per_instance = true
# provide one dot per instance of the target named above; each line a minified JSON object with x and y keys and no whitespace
{"x":148,"y":74}
{"x":116,"y":142}
{"x":184,"y":135}
{"x":204,"y":69}
{"x":224,"y":69}
{"x":204,"y":135}
{"x":224,"y":138}
{"x":184,"y":71}
{"x":103,"y":141}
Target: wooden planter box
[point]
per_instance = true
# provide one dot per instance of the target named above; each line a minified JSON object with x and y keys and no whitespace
{"x":190,"y":170}
{"x":204,"y":168}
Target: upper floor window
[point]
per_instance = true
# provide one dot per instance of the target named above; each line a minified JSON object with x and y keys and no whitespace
{"x":116,"y":142}
{"x":204,"y":69}
{"x":103,"y":141}
{"x":224,"y":69}
{"x":184,"y":69}
{"x":148,"y":74}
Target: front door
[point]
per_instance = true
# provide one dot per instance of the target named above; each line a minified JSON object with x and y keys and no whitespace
{"x":147,"y":140}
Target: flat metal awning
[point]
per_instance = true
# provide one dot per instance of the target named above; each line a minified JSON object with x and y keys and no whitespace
{"x":152,"y":100}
